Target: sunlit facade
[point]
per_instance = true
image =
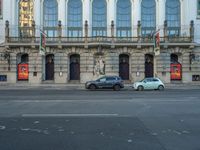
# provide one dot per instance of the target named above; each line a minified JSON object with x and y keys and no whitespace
{"x":87,"y":39}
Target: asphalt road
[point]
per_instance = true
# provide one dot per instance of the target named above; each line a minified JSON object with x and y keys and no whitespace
{"x":59,"y":119}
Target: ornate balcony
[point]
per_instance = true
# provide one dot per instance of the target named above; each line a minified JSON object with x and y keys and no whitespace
{"x":30,"y":36}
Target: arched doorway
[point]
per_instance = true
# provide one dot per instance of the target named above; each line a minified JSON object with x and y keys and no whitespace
{"x":22,"y":67}
{"x":149,"y":71}
{"x":49,"y":67}
{"x":75,"y":67}
{"x":175,"y":68}
{"x":124,"y":66}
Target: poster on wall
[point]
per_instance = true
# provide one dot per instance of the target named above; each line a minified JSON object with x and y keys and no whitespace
{"x":23,"y":72}
{"x":176,"y":72}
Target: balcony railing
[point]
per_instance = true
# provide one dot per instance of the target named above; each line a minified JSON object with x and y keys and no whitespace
{"x":58,"y":36}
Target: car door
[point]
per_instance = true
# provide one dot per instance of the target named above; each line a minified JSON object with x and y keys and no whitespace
{"x":102,"y":82}
{"x":155,"y":83}
{"x":147,"y":84}
{"x":110,"y":82}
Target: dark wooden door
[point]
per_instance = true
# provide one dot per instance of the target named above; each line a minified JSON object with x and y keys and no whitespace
{"x":149,"y":66}
{"x":124,"y":70}
{"x":148,"y":69}
{"x":124,"y":66}
{"x":49,"y":71}
{"x":74,"y":71}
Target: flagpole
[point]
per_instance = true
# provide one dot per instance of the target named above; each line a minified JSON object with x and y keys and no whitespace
{"x":155,"y":53}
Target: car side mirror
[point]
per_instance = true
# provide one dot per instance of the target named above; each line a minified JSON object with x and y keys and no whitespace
{"x":144,"y":81}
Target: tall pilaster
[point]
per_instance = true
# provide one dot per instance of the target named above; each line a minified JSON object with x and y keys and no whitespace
{"x":160,"y":15}
{"x":86,"y":15}
{"x":61,"y":12}
{"x":37,"y":14}
{"x":136,"y":15}
{"x":111,"y":12}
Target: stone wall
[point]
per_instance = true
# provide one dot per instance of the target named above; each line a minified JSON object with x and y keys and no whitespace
{"x":111,"y":58}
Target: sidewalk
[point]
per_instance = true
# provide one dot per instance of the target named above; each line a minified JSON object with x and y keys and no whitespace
{"x":82,"y":86}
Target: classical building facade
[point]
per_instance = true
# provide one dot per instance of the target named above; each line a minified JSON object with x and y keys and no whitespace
{"x":86,"y":39}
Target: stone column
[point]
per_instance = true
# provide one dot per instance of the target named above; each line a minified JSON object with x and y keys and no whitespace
{"x":33,"y":34}
{"x":165,"y":31}
{"x":136,"y":13}
{"x":112,"y":33}
{"x":38,"y":15}
{"x":86,"y":15}
{"x":192,"y":31}
{"x":139,"y":31}
{"x":7,"y":31}
{"x":86,"y":33}
{"x":111,"y":12}
{"x":59,"y":34}
{"x":160,"y":17}
{"x":62,"y":11}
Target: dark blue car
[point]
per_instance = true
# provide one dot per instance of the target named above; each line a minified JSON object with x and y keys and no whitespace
{"x":110,"y":82}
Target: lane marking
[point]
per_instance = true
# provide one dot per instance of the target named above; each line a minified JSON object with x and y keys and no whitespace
{"x":70,"y":115}
{"x":189,"y":99}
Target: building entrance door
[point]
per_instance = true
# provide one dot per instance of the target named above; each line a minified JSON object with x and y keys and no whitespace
{"x":75,"y":67}
{"x":149,"y":66}
{"x":124,"y":66}
{"x":49,"y":72}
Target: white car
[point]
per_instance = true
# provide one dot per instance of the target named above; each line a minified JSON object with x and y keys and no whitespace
{"x":149,"y":84}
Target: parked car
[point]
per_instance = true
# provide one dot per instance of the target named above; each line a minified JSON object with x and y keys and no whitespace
{"x":149,"y":84}
{"x":112,"y":82}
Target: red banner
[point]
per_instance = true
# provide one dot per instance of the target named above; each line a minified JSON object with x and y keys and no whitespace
{"x":23,"y":72}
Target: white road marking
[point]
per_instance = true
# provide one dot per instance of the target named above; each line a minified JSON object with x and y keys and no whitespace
{"x":70,"y":115}
{"x":105,"y":100}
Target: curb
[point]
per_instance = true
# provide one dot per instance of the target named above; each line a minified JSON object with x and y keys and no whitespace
{"x":82,"y":86}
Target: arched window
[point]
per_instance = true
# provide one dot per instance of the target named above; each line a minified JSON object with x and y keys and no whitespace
{"x":173,"y":17}
{"x":25,"y":17}
{"x":99,"y":13}
{"x":50,"y":17}
{"x":123,"y":18}
{"x":148,"y":17}
{"x":74,"y":19}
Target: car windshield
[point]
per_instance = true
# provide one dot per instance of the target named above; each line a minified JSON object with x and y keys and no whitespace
{"x":142,"y":80}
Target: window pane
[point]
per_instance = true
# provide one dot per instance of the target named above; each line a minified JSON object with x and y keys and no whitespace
{"x":25,"y":17}
{"x":99,"y":13}
{"x":74,"y":21}
{"x":173,"y":16}
{"x":50,"y":17}
{"x":148,"y":14}
{"x":123,"y":18}
{"x":198,"y":8}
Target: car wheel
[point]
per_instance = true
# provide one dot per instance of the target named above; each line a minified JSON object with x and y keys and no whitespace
{"x":92,"y":87}
{"x":116,"y":87}
{"x":160,"y":87}
{"x":140,"y":88}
